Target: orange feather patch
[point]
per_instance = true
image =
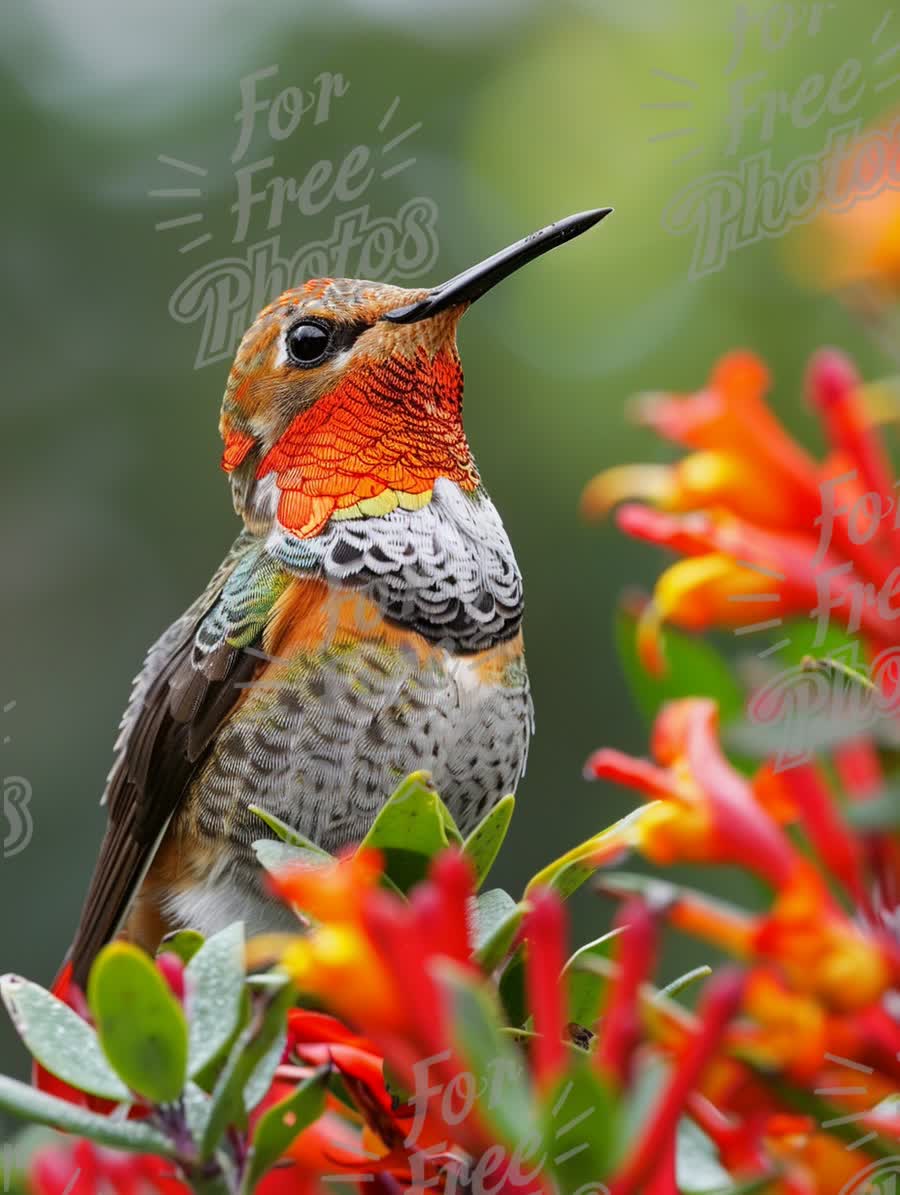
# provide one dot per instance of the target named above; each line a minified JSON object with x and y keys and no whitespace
{"x":393,"y":424}
{"x":237,"y":445}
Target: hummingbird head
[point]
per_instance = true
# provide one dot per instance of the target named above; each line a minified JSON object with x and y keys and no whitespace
{"x":345,"y":397}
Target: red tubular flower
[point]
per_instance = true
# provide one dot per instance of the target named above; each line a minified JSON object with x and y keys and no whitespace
{"x":832,"y":384}
{"x":721,"y":1000}
{"x":442,"y":906}
{"x":620,"y":1029}
{"x":544,"y":931}
{"x":804,"y":788}
{"x":171,"y":968}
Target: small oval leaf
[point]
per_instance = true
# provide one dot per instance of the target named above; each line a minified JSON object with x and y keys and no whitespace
{"x":253,"y":1049}
{"x":483,"y":844}
{"x":139,"y":1022}
{"x":497,"y":918}
{"x":281,"y":1124}
{"x":183,"y":943}
{"x":411,"y":828}
{"x":286,"y":833}
{"x":60,"y":1040}
{"x":214,"y":981}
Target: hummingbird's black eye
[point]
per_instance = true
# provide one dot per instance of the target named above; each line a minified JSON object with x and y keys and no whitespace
{"x":308,"y":342}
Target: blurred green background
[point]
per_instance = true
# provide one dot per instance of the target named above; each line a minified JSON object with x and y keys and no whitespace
{"x":115,"y":511}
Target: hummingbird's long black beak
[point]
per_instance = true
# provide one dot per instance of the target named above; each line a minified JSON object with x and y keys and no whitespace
{"x":471,"y":284}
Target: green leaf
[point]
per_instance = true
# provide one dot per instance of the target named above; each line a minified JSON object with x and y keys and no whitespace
{"x":183,"y":943}
{"x":697,"y":1164}
{"x":214,"y":983}
{"x":283,"y":1123}
{"x":264,"y":1072}
{"x":285,"y":833}
{"x":511,"y":988}
{"x":580,"y":1120}
{"x":694,"y":666}
{"x":197,"y":1106}
{"x":274,"y":856}
{"x":59,"y":1039}
{"x":207,"y":1076}
{"x":587,"y":988}
{"x":567,"y":873}
{"x":253,"y":1045}
{"x":661,"y":893}
{"x":802,"y":637}
{"x":497,"y":918}
{"x":683,"y":981}
{"x":139,"y":1022}
{"x":20,"y":1099}
{"x":483,"y":844}
{"x":647,"y":1084}
{"x":499,"y":1074}
{"x":411,"y":828}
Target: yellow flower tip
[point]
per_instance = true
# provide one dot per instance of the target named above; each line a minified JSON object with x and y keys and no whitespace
{"x":338,"y":964}
{"x":297,"y":960}
{"x":880,"y":401}
{"x":675,"y":833}
{"x":698,"y":592}
{"x":853,"y":976}
{"x":792,"y":1025}
{"x":265,"y":950}
{"x":652,"y":483}
{"x":339,"y":947}
{"x":708,"y":477}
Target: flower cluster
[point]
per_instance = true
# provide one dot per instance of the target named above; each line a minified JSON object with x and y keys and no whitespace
{"x":764,"y":531}
{"x":815,"y":1049}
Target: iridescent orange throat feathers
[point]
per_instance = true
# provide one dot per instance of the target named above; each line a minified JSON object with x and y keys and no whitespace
{"x":378,"y":440}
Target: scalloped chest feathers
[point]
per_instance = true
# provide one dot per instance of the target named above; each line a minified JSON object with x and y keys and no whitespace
{"x":391,"y":644}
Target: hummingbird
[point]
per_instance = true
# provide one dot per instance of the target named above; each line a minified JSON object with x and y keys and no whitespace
{"x":365,"y":624}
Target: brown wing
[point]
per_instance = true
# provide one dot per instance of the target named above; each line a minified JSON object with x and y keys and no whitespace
{"x":173,"y":716}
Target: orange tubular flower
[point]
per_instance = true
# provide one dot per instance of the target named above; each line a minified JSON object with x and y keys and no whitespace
{"x":853,"y":245}
{"x":328,"y":962}
{"x":705,"y":811}
{"x":766,"y":531}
